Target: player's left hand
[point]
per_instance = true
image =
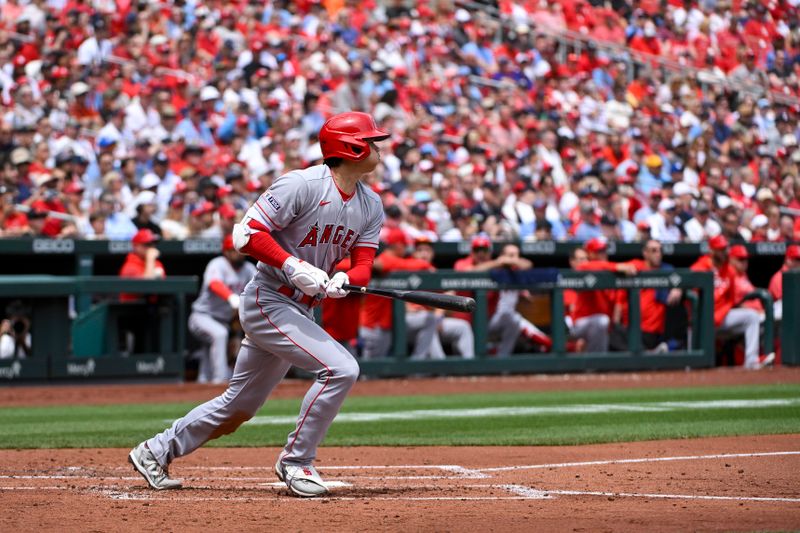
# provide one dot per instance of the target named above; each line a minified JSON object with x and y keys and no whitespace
{"x":334,"y":287}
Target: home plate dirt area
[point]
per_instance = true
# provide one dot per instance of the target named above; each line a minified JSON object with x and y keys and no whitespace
{"x":715,"y":484}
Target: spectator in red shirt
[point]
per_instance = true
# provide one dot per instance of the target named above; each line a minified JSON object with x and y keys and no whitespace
{"x":790,"y":263}
{"x":727,"y":318}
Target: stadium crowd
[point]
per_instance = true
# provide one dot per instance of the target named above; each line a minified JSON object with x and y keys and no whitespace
{"x":174,"y":116}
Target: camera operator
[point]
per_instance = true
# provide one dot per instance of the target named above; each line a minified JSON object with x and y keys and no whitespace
{"x":15,"y":332}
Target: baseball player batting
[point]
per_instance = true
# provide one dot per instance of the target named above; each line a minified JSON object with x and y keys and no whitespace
{"x":298,"y":230}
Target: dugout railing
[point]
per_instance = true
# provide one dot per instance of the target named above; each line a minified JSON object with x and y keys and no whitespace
{"x":101,"y":257}
{"x":698,"y":352}
{"x":75,"y":322}
{"x":790,"y":323}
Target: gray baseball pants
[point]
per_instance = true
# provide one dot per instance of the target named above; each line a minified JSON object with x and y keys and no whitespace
{"x":421,"y":327}
{"x":594,"y":329}
{"x":455,"y":331}
{"x":741,"y":320}
{"x":279,"y":333}
{"x":214,"y":364}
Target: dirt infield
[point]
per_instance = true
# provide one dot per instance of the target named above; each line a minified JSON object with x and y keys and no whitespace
{"x":719,"y":484}
{"x":714,"y":484}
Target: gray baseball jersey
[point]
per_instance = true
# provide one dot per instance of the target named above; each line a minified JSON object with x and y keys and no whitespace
{"x":220,"y":269}
{"x":308,"y":216}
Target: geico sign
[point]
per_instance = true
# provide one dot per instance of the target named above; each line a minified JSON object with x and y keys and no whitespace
{"x":53,"y":246}
{"x":202,"y":246}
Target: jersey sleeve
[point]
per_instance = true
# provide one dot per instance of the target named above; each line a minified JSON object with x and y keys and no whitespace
{"x":281,"y":203}
{"x":371,"y":234}
{"x":213,"y":272}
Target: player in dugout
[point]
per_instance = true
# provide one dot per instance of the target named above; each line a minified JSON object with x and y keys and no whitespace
{"x":728,"y":319}
{"x":505,"y":323}
{"x":450,"y":330}
{"x":592,"y":309}
{"x":653,"y":303}
{"x":375,"y":330}
{"x":224,"y":279}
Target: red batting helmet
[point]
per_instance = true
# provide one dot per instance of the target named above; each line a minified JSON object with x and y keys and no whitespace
{"x":345,"y":135}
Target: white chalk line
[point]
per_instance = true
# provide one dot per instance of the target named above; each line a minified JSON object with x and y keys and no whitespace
{"x":520,"y":492}
{"x":639,"y":460}
{"x":600,"y":408}
{"x":672,"y":496}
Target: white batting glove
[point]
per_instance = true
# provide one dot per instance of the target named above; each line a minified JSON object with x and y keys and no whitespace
{"x":233,"y":301}
{"x":306,"y":277}
{"x":334,"y":288}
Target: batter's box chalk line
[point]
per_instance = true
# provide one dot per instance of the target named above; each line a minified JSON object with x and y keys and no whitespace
{"x":515,"y":491}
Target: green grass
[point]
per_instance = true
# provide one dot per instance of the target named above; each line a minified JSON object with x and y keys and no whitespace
{"x":124,"y":425}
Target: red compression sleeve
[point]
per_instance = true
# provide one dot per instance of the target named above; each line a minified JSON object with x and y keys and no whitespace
{"x":220,"y":289}
{"x":361,"y":258}
{"x":263,"y":247}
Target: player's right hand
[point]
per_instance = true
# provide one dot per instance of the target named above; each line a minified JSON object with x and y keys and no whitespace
{"x":306,"y":277}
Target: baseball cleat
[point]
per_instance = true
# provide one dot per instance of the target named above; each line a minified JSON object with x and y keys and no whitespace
{"x":145,"y":463}
{"x":303,"y":481}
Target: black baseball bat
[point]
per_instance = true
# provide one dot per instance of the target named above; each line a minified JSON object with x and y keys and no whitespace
{"x":450,"y":302}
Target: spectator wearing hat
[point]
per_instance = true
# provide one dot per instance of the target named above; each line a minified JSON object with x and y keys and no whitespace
{"x":217,"y":305}
{"x":543,"y":215}
{"x":118,"y":226}
{"x":195,"y":128}
{"x":228,"y":216}
{"x":48,"y":198}
{"x":464,"y":225}
{"x":20,"y":160}
{"x":650,"y":208}
{"x":728,"y":319}
{"x":26,"y":112}
{"x":173,"y":225}
{"x":74,"y":198}
{"x":145,"y":206}
{"x":417,"y":223}
{"x":790,"y":263}
{"x":662,"y":223}
{"x":739,"y":259}
{"x":142,"y":262}
{"x":506,"y":325}
{"x":652,"y":176}
{"x":375,"y":330}
{"x":167,"y":181}
{"x":592,"y":310}
{"x":758,"y":228}
{"x":701,"y":226}
{"x":201,"y":221}
{"x":588,"y":226}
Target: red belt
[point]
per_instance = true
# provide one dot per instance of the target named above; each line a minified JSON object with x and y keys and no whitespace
{"x":309,"y":301}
